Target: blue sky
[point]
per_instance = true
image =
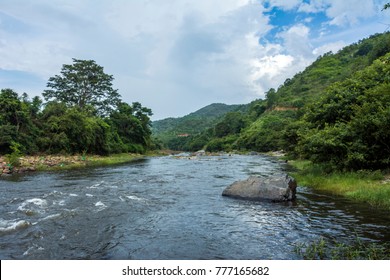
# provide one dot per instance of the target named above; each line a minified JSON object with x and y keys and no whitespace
{"x":176,"y":56}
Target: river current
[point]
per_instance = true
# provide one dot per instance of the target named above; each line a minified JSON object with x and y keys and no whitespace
{"x":169,"y":208}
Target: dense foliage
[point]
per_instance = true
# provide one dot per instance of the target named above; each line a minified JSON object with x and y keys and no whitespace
{"x":336,"y":112}
{"x":178,"y":133}
{"x":82,"y":114}
{"x":349,"y":127}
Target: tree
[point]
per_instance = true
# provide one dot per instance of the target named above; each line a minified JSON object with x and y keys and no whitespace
{"x":132,"y":124}
{"x":83,"y":84}
{"x":17,"y":122}
{"x":271,"y":97}
{"x":232,"y":123}
{"x":11,"y":111}
{"x":72,"y":131}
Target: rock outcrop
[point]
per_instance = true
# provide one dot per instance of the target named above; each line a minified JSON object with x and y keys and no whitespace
{"x":276,"y":189}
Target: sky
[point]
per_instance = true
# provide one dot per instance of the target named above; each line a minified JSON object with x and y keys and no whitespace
{"x":177,"y":56}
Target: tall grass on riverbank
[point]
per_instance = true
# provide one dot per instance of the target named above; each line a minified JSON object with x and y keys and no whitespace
{"x":110,"y":160}
{"x":372,"y":187}
{"x":357,"y":250}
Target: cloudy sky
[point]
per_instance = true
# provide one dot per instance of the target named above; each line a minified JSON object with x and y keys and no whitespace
{"x":176,"y":56}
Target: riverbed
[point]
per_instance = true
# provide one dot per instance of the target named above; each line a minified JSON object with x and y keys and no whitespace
{"x":170,"y":208}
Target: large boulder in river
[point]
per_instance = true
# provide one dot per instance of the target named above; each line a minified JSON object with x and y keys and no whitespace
{"x":276,"y":189}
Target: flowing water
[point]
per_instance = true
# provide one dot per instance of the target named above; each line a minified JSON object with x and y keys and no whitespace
{"x":169,"y":208}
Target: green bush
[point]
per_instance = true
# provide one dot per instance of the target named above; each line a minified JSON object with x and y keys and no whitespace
{"x":14,"y":158}
{"x":267,"y":132}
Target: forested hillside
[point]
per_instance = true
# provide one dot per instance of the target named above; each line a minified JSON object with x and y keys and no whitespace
{"x":81,"y":113}
{"x":174,"y":132}
{"x":337,"y":112}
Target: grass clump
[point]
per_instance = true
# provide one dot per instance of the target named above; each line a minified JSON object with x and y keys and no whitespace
{"x":361,"y":186}
{"x":357,"y":250}
{"x":112,"y":159}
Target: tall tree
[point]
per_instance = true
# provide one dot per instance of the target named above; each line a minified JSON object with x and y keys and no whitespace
{"x":84,"y":84}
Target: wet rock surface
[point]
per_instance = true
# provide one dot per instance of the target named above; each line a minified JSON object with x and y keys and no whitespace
{"x":275,"y":189}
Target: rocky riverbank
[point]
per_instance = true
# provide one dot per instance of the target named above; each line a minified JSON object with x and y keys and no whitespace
{"x":60,"y":162}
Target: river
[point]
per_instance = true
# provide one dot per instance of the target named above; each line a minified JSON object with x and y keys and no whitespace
{"x":169,"y":208}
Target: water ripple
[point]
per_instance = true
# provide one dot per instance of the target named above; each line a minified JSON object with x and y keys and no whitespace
{"x":169,"y":208}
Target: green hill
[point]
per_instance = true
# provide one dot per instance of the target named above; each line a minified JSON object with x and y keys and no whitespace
{"x":329,"y":68}
{"x":172,"y":130}
{"x":335,"y":112}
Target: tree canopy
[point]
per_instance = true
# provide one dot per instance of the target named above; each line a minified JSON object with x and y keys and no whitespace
{"x":83,"y":84}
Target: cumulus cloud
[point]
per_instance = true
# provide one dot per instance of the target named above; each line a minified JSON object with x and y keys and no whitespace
{"x":204,"y":55}
{"x":343,"y":13}
{"x":331,"y":47}
{"x":349,"y":12}
{"x":284,"y":4}
{"x":277,"y":62}
{"x":173,"y":56}
{"x":314,"y":6}
{"x":340,"y":13}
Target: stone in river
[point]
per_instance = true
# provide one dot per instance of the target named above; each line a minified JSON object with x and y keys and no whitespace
{"x":276,"y":189}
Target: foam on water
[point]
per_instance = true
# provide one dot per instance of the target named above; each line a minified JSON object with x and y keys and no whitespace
{"x":60,"y":203}
{"x":100,"y":204}
{"x":133,"y":197}
{"x":32,"y":249}
{"x":12,"y":225}
{"x":53,"y":216}
{"x":36,"y":201}
{"x":96,"y":186}
{"x":33,"y":206}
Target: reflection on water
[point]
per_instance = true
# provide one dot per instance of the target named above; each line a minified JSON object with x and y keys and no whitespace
{"x":168,"y":208}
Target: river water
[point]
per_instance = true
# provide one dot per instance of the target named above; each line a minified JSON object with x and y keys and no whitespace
{"x":169,"y":208}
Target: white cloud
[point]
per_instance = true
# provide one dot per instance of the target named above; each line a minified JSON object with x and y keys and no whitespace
{"x":340,"y":13}
{"x":284,"y":4}
{"x":296,"y":40}
{"x":193,"y":47}
{"x":349,"y":12}
{"x":130,"y":18}
{"x":206,"y":57}
{"x":314,"y":6}
{"x":343,"y":13}
{"x":32,"y":56}
{"x":280,"y":61}
{"x":331,"y":47}
{"x":174,"y":55}
{"x":269,"y":68}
